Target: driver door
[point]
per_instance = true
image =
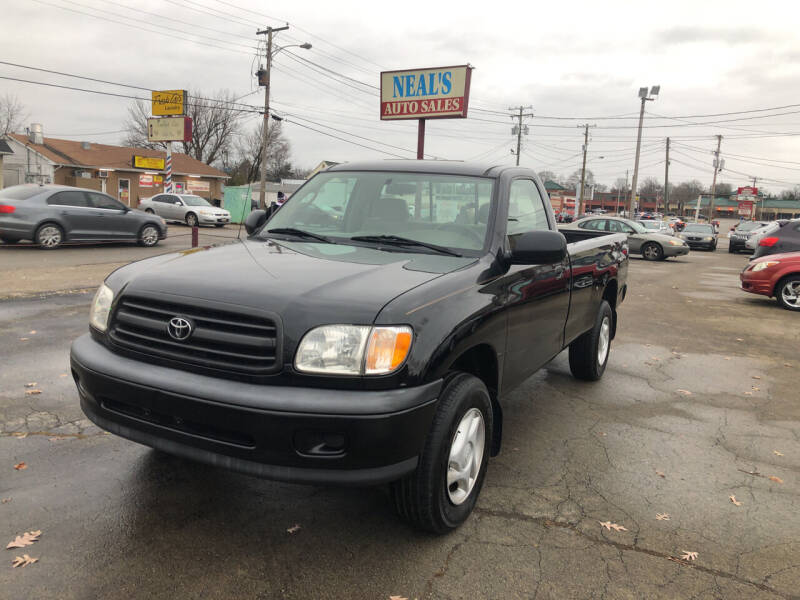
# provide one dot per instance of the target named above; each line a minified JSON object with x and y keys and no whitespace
{"x":635,"y":240}
{"x":117,"y":222}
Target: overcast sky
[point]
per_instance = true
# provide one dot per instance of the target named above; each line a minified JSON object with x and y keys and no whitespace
{"x":584,"y":60}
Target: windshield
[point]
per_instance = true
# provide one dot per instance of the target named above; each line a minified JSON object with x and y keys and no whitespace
{"x":451,"y":211}
{"x":194,"y":201}
{"x":748,"y":226}
{"x":637,"y":227}
{"x":698,"y":228}
{"x":650,"y":224}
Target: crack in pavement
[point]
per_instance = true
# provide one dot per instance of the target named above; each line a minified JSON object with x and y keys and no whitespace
{"x":548,"y":523}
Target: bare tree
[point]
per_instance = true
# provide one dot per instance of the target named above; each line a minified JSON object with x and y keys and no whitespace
{"x":723,"y":189}
{"x":250,"y":151}
{"x":12,"y":114}
{"x":549,"y":176}
{"x":685,"y":193}
{"x":215,"y":120}
{"x":574,"y":180}
{"x":651,"y":187}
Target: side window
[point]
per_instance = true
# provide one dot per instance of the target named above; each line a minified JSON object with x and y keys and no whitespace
{"x":69,"y":199}
{"x":526,"y":211}
{"x":618,"y":227}
{"x":103,"y":201}
{"x":159,"y":198}
{"x":594,"y":224}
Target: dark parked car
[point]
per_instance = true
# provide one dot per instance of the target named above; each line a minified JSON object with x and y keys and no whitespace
{"x":699,"y":235}
{"x":741,"y":233}
{"x":785,"y":239}
{"x":776,"y":275}
{"x":374,"y":345}
{"x":50,"y":215}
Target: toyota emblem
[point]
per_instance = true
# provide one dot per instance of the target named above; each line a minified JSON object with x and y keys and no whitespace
{"x":179,"y":328}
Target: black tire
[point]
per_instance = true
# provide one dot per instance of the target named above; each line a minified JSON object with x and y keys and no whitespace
{"x":148,"y":236}
{"x":585,"y":352}
{"x":191,"y":219}
{"x":652,"y":251}
{"x":731,"y":249}
{"x":423,"y":498}
{"x":783,"y":292}
{"x":8,"y":240}
{"x":219,"y":224}
{"x":149,"y":211}
{"x":49,"y":236}
{"x":713,"y":248}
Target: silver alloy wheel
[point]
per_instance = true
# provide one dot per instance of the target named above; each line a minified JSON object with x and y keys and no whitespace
{"x":651,"y":252}
{"x":49,"y":236}
{"x":149,"y":236}
{"x":790,"y":292}
{"x":466,"y":456}
{"x":603,"y":341}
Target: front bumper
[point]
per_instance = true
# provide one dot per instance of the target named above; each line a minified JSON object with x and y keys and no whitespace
{"x":756,"y":283}
{"x":738,"y":244}
{"x":675,"y":250}
{"x":210,"y":219}
{"x":700,"y":244}
{"x":301,"y":435}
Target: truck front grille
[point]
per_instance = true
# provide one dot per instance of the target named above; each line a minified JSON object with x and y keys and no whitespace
{"x":221,"y":340}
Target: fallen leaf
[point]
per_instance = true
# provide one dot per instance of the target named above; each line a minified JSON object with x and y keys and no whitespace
{"x":397,"y":598}
{"x":748,"y":393}
{"x":660,"y":474}
{"x":727,"y":358}
{"x":58,"y":438}
{"x":293,"y":529}
{"x":787,"y":364}
{"x":775,"y":479}
{"x":662,"y":517}
{"x":756,"y":377}
{"x":23,"y":561}
{"x":63,"y":375}
{"x":648,"y":345}
{"x":5,"y":500}
{"x":32,"y":384}
{"x":20,"y":434}
{"x":32,"y":332}
{"x":609,"y":525}
{"x":684,"y":392}
{"x":23,"y":339}
{"x":739,"y":340}
{"x":26,"y":539}
{"x":688,"y":555}
{"x":674,"y":287}
{"x":20,"y":466}
{"x":776,"y":453}
{"x":755,"y":389}
{"x":735,"y":501}
{"x":32,"y":392}
{"x":689,"y":301}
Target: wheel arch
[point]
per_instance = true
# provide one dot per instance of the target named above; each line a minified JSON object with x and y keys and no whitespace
{"x":48,"y":221}
{"x":610,"y":295}
{"x":481,"y":361}
{"x":781,"y":279}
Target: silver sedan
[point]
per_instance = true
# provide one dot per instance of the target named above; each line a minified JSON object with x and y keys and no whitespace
{"x":188,"y":208}
{"x":652,"y":246}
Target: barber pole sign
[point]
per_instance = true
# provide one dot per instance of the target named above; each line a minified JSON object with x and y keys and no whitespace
{"x":168,"y":178}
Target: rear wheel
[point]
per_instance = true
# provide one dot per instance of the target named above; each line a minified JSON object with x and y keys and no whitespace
{"x":787,"y":292}
{"x":652,"y":251}
{"x":588,"y":355}
{"x":441,"y":493}
{"x":49,"y":236}
{"x":191,"y":220}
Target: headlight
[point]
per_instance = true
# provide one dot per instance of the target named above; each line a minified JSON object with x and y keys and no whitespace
{"x":675,"y":243}
{"x":765,"y":265}
{"x":707,"y":238}
{"x":353,"y":350}
{"x":101,"y":308}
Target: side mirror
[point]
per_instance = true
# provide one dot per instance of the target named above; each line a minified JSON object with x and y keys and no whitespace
{"x":177,"y":203}
{"x":537,"y":247}
{"x":254,"y":221}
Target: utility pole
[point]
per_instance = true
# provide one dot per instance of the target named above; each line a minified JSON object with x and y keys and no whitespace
{"x":579,"y":207}
{"x":518,"y":129}
{"x":265,"y":127}
{"x":717,"y":167}
{"x":643,"y":94}
{"x":626,"y":191}
{"x":666,"y":183}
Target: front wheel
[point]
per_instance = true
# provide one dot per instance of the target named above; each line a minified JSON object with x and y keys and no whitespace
{"x":588,"y":355}
{"x":191,"y":220}
{"x":148,"y":236}
{"x":149,"y":211}
{"x":441,"y":493}
{"x":731,"y":250}
{"x":787,"y":292}
{"x":652,"y":251}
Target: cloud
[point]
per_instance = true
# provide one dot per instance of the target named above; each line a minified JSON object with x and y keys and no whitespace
{"x":692,"y":34}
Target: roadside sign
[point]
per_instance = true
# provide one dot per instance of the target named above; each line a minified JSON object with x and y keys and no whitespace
{"x":169,"y":102}
{"x":747,"y":191}
{"x":169,"y":129}
{"x":147,"y":162}
{"x":195,"y":185}
{"x":746,"y":208}
{"x":433,"y":93}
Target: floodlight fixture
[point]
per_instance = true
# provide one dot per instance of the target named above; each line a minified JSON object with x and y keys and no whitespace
{"x":643,"y":92}
{"x":654,"y":90}
{"x":307,"y":46}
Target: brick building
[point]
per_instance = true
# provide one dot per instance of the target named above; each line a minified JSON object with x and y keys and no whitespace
{"x":106,"y":168}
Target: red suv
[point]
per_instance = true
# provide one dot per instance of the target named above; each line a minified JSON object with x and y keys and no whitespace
{"x":775,"y":275}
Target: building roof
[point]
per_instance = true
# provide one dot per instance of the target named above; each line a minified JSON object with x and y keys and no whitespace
{"x":104,"y":156}
{"x":552,"y":186}
{"x":5,"y":148}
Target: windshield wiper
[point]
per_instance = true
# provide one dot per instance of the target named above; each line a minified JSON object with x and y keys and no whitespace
{"x":401,"y":241}
{"x":301,"y":233}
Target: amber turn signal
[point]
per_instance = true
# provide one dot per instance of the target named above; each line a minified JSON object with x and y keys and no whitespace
{"x":387,"y":349}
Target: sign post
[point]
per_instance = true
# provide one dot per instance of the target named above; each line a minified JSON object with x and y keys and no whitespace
{"x":432,"y":93}
{"x":168,"y":103}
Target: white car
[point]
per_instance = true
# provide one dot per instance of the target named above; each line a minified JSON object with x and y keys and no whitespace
{"x":760,"y":232}
{"x":187,"y":208}
{"x":654,"y":226}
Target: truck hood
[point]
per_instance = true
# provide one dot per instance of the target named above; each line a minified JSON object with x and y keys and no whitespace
{"x":306,"y":284}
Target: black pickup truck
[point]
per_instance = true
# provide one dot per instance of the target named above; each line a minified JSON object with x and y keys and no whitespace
{"x":365,"y":333}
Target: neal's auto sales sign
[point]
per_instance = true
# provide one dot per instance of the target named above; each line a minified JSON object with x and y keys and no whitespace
{"x":436,"y":93}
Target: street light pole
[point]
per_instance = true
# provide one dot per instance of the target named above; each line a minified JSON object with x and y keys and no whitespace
{"x":644,"y":96}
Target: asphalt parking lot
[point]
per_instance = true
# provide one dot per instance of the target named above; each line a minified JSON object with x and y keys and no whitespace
{"x":699,"y":403}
